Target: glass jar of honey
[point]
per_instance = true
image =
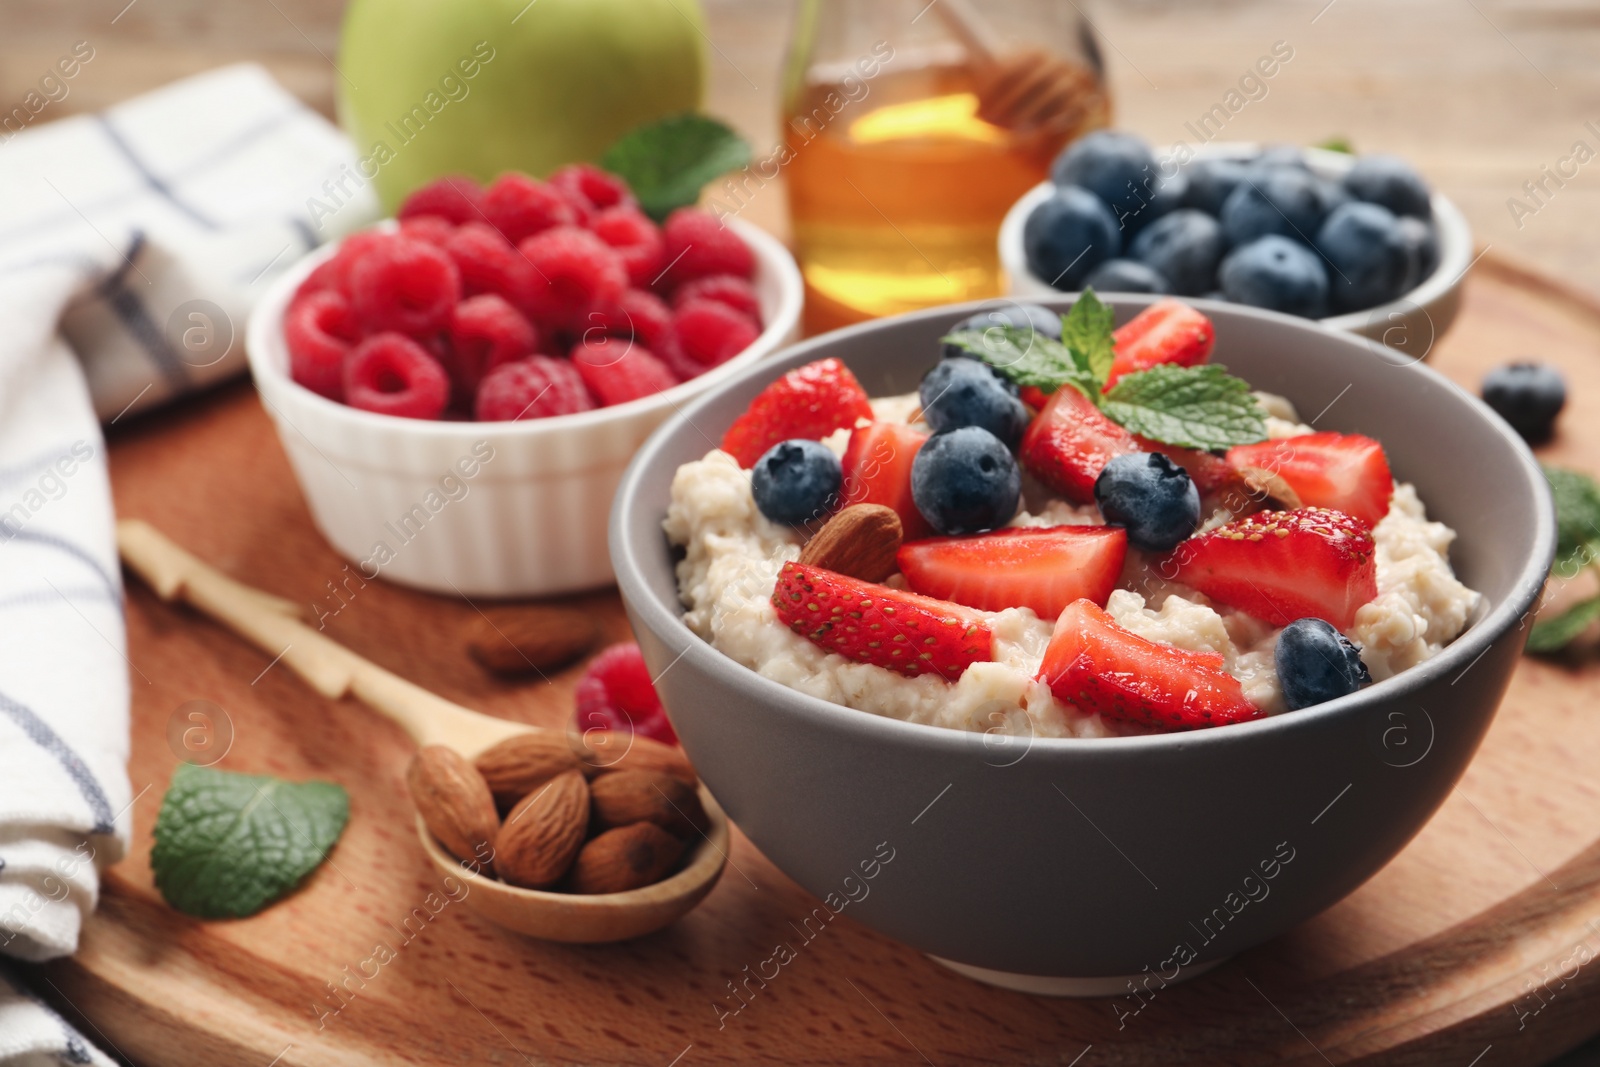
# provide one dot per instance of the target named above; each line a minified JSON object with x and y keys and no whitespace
{"x":911,"y":128}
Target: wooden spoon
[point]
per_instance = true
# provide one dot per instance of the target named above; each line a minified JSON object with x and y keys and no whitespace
{"x":1024,"y":90}
{"x":272,"y":625}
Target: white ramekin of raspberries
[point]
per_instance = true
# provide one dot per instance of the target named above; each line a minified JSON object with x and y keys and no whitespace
{"x":459,"y":389}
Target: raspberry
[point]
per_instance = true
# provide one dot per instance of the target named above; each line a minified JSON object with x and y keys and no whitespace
{"x":488,"y":263}
{"x":616,"y":693}
{"x":454,"y":197}
{"x":635,"y":238}
{"x":728,"y":289}
{"x":519,"y":207}
{"x":635,"y":315}
{"x":334,"y":273}
{"x":404,"y":285}
{"x":432,"y":229}
{"x":319,"y":329}
{"x":670,"y":351}
{"x":617,"y":371}
{"x":485,"y":333}
{"x":697,"y":245}
{"x":393,"y":375}
{"x":592,"y":189}
{"x":574,"y":272}
{"x":533,"y":388}
{"x":712,"y":332}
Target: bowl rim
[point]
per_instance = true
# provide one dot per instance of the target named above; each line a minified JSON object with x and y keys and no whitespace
{"x":1455,"y":236}
{"x":266,"y":349}
{"x":667,"y":624}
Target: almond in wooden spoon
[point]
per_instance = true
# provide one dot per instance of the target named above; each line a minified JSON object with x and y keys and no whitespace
{"x":454,"y":801}
{"x":625,"y":858}
{"x":543,"y":833}
{"x":625,"y":797}
{"x":517,"y":766}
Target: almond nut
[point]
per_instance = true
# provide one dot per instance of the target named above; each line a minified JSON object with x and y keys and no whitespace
{"x":518,"y":765}
{"x":529,"y":639}
{"x":860,"y":541}
{"x":610,"y":751}
{"x":543,"y":833}
{"x":1258,"y":489}
{"x":625,"y":797}
{"x":454,"y":802}
{"x":628,"y":857}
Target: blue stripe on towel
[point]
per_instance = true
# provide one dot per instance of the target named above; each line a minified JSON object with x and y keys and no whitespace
{"x":150,"y":177}
{"x":42,"y":735}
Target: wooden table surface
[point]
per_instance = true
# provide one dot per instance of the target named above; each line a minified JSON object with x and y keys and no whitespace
{"x":1480,"y":93}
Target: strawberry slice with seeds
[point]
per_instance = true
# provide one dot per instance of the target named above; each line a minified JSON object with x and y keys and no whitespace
{"x":810,"y":401}
{"x":903,"y":632}
{"x":1283,"y":565}
{"x":1070,"y":442}
{"x":1167,"y":331}
{"x":1099,"y":666}
{"x":1344,"y":471}
{"x":877,"y":470}
{"x":1042,"y":568}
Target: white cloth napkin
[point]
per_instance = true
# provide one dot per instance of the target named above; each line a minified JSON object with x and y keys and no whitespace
{"x":132,"y":244}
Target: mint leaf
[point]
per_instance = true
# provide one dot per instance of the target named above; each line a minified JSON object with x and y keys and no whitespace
{"x":1554,"y":634}
{"x":227,"y":845}
{"x":1086,"y":330}
{"x":1577,"y":500}
{"x":1192,"y":407}
{"x":668,"y":162}
{"x":1027,"y":357}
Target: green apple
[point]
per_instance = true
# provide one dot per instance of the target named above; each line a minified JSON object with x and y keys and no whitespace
{"x":432,"y":87}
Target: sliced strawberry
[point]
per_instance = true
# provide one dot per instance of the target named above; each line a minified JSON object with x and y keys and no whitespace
{"x":1040,"y":568}
{"x":1283,"y":565}
{"x":1167,"y":331}
{"x":1343,"y":471}
{"x":810,"y":401}
{"x":877,"y":470}
{"x":1069,"y":442}
{"x":1096,"y":665}
{"x":913,"y":635}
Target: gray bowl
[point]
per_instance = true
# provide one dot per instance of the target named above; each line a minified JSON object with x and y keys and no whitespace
{"x":1065,"y":865}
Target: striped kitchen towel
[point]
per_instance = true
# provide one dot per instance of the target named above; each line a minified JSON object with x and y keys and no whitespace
{"x":132,"y":244}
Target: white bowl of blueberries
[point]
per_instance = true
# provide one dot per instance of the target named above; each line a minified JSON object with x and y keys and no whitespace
{"x":1359,"y":243}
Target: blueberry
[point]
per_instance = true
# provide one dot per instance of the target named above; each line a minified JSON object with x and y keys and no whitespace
{"x":1185,"y":248}
{"x":796,"y":481}
{"x":1423,"y":240}
{"x":1210,"y":182}
{"x":1068,"y":236}
{"x":1126,"y":276}
{"x":1527,"y":395}
{"x":1369,"y":261}
{"x":1024,"y":316}
{"x":1316,"y":663}
{"x":1117,"y":167}
{"x":1333,"y":196}
{"x":1280,"y":200}
{"x":1278,"y":274}
{"x":964,"y":392}
{"x":1153,"y":201}
{"x":1391,"y":182}
{"x":1150,"y":495}
{"x":964,"y":481}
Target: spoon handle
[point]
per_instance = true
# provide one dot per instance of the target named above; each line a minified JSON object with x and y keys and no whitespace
{"x":272,"y":624}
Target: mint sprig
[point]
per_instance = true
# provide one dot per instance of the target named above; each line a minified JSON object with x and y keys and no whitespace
{"x":1577,"y":500}
{"x":227,"y":845}
{"x":667,"y":163}
{"x":1200,"y":407}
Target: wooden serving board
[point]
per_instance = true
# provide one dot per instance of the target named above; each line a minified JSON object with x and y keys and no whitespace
{"x":1479,"y":945}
